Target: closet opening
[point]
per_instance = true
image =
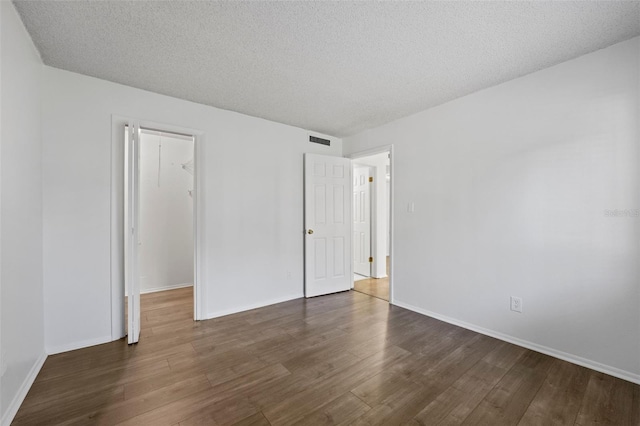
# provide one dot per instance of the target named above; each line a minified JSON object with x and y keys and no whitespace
{"x":159,"y":255}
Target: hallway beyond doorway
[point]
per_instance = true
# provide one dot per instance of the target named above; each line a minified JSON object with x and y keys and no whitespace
{"x":376,"y":287}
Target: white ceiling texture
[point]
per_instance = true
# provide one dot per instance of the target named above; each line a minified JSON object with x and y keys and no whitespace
{"x":332,"y":67}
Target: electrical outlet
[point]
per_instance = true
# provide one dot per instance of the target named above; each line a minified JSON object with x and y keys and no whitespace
{"x":516,"y":304}
{"x":288,"y":275}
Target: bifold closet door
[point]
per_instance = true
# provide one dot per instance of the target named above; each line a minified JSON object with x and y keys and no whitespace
{"x":132,"y":214}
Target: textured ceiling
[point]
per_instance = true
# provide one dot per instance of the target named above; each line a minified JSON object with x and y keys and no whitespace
{"x":333,"y":67}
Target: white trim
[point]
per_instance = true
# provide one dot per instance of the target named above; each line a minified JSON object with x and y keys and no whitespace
{"x":199,"y":292}
{"x":254,"y":306}
{"x":118,"y":327}
{"x":18,"y":399}
{"x":593,"y":365}
{"x":169,"y":287}
{"x":53,"y":350}
{"x":367,"y":153}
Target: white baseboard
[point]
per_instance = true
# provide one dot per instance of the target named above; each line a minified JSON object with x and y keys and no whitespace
{"x":52,"y":350}
{"x":169,"y":287}
{"x":253,"y":306}
{"x":12,"y":409}
{"x":594,"y":365}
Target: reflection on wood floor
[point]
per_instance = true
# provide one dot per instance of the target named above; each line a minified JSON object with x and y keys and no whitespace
{"x":376,"y":287}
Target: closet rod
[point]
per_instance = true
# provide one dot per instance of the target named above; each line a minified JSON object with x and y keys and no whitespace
{"x":164,"y":131}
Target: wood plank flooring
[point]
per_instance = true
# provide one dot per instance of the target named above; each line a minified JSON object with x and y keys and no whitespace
{"x":376,"y":287}
{"x":341,"y":359}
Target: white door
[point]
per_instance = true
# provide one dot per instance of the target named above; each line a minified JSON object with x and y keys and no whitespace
{"x":132,"y":208}
{"x":362,"y":220}
{"x":327,"y":218}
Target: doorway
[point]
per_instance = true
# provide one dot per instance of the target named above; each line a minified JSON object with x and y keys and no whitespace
{"x":372,"y":223}
{"x":162,"y":213}
{"x":125,"y":212}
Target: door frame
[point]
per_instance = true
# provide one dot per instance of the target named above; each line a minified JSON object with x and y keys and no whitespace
{"x":118,"y":326}
{"x":367,"y":153}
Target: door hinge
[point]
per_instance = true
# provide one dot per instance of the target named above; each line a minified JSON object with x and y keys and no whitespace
{"x":371,"y":260}
{"x":370,"y":178}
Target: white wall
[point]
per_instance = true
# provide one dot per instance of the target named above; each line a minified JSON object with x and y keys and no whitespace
{"x":388,"y":224}
{"x":381,"y":206}
{"x":251,"y":194}
{"x":166,"y":212}
{"x":22,"y":335}
{"x":510,"y":186}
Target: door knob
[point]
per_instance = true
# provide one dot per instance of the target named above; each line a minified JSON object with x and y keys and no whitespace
{"x":310,"y":231}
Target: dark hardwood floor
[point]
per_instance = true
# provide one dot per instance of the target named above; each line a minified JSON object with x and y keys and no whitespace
{"x":346,"y":358}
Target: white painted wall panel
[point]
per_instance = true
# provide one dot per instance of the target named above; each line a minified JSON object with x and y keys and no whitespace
{"x":511,"y":187}
{"x":252,"y":203}
{"x":22,"y":323}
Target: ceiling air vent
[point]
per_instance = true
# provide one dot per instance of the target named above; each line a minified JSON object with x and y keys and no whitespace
{"x":319,"y":140}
